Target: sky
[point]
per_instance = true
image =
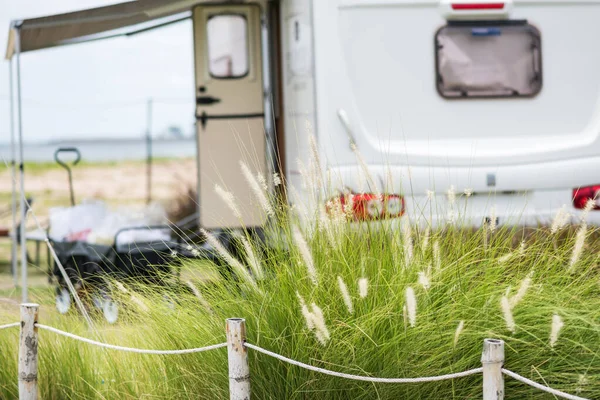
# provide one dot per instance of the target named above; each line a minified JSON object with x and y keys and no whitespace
{"x":99,"y":89}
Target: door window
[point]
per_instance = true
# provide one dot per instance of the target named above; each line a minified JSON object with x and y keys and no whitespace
{"x":227,"y":38}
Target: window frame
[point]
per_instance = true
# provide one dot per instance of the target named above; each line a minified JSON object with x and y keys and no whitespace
{"x":534,"y":31}
{"x":248,"y":60}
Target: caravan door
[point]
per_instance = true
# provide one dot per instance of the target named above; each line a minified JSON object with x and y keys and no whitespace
{"x":229,"y":111}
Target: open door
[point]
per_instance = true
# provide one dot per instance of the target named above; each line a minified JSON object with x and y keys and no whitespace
{"x":229,"y":111}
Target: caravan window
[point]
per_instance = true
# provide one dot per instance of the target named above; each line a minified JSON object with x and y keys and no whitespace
{"x":227,"y":41}
{"x":488,"y":59}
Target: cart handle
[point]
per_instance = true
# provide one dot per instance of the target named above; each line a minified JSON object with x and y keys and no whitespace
{"x":67,"y":150}
{"x":67,"y":167}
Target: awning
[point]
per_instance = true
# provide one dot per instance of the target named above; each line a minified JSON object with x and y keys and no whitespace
{"x":56,"y":30}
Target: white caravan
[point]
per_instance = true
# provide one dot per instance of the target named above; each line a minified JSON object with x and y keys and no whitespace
{"x":492,"y":103}
{"x":496,"y":102}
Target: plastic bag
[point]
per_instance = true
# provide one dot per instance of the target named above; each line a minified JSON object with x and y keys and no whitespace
{"x":94,"y":223}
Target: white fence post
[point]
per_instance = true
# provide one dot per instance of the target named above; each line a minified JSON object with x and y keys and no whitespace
{"x":237,"y":357}
{"x":28,"y":352}
{"x":492,"y":360}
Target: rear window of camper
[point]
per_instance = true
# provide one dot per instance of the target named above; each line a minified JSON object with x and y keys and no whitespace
{"x":475,"y":60}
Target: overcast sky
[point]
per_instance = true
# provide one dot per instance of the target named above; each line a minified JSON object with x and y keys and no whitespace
{"x":99,"y":89}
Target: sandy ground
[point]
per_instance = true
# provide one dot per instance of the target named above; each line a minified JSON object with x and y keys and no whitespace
{"x":123,"y":183}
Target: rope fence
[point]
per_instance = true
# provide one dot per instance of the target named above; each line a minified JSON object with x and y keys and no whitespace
{"x":492,"y":361}
{"x":13,"y":325}
{"x":540,"y":386}
{"x":364,"y":378}
{"x":130,"y":349}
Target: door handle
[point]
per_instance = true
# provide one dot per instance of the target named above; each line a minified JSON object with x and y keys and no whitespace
{"x":207,"y":100}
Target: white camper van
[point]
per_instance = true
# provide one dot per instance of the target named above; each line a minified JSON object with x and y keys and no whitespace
{"x":494,"y":103}
{"x":488,"y":107}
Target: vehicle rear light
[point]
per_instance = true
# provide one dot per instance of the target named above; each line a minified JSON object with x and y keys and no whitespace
{"x":477,"y":6}
{"x":370,"y":206}
{"x":582,"y":195}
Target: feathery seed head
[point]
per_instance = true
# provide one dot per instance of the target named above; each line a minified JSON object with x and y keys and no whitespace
{"x":345,"y":295}
{"x":276,"y":179}
{"x":522,"y":248}
{"x":589,"y":206}
{"x":505,"y":258}
{"x":560,"y":220}
{"x":424,"y":280}
{"x":239,"y":269}
{"x":508,"y":316}
{"x":578,"y":247}
{"x":451,"y":216}
{"x":252,"y":259}
{"x":228,"y":199}
{"x":256,"y":188}
{"x":321,"y":331}
{"x":557,"y":325}
{"x":308,"y":316}
{"x":120,"y":286}
{"x":262,"y":181}
{"x":451,"y":194}
{"x":437,"y":259}
{"x":411,"y":306}
{"x":407,"y":242}
{"x":199,"y":296}
{"x":425,"y":241}
{"x":305,"y":253}
{"x":363,"y":287}
{"x":493,"y":224}
{"x":139,"y":303}
{"x":459,"y":329}
{"x":523,"y":288}
{"x":581,"y":383}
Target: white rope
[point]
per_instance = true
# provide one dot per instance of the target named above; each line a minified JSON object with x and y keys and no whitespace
{"x":364,"y":378}
{"x":541,"y":387}
{"x":9,"y":301}
{"x":13,"y":325}
{"x":130,"y":349}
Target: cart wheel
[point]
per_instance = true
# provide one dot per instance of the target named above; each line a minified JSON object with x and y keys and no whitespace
{"x":98,"y":301}
{"x":63,"y":301}
{"x":169,"y":302}
{"x":110,"y":310}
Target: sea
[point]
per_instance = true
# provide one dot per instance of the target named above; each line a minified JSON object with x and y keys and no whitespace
{"x":105,"y":149}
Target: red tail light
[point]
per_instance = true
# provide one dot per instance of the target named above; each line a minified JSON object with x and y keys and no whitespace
{"x":370,"y":206}
{"x":582,"y":195}
{"x":477,"y":6}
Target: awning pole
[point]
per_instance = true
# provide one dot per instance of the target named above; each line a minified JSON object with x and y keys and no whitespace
{"x":149,"y":151}
{"x":21,"y":166}
{"x":13,"y":175}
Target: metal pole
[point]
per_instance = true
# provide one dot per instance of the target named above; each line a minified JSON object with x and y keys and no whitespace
{"x":237,"y":358}
{"x":13,"y":174}
{"x":149,"y":151}
{"x":492,"y":360}
{"x":17,"y":29}
{"x":28,"y":353}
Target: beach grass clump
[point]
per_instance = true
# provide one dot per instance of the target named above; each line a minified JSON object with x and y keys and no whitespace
{"x":377,"y":299}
